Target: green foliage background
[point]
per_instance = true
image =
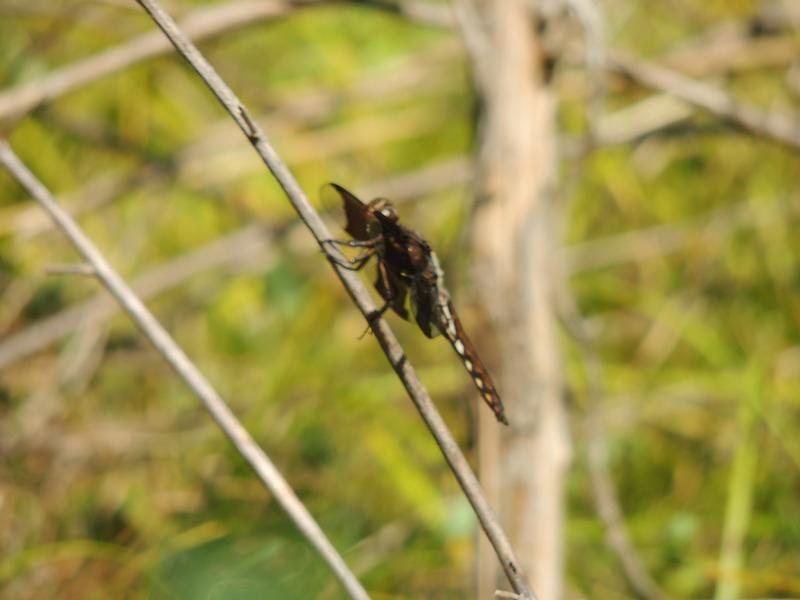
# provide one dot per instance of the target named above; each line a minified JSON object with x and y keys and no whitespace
{"x":114,"y":482}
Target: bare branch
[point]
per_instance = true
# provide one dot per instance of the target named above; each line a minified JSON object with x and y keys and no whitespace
{"x":174,"y":355}
{"x":357,"y":291}
{"x":782,"y":128}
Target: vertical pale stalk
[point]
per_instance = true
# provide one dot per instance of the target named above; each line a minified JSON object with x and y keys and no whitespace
{"x":739,"y":503}
{"x":514,"y":248}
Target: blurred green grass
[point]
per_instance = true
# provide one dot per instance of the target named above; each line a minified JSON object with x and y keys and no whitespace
{"x":113,"y":481}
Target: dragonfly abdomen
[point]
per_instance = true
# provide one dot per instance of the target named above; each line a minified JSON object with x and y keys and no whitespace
{"x":451,"y":328}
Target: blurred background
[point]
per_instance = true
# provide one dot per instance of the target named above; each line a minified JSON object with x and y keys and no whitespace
{"x":612,"y":190}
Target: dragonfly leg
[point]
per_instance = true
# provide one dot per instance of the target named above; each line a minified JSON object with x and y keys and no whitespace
{"x":353,"y":264}
{"x":359,"y":261}
{"x":373,"y":317}
{"x":354,"y":243}
{"x":389,"y":298}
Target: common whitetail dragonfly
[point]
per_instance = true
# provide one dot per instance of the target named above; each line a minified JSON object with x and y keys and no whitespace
{"x":409,"y":277}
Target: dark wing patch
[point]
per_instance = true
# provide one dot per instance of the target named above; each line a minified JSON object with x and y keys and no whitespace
{"x":357,"y":214}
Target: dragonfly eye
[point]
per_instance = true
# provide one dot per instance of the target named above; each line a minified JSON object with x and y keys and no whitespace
{"x":386,"y":208}
{"x":390,"y":213}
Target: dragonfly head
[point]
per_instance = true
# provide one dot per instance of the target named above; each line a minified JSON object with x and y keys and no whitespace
{"x":385,"y":208}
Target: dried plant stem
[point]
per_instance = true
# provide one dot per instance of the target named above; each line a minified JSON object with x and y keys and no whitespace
{"x":175,"y":356}
{"x":357,"y":291}
{"x":775,"y":126}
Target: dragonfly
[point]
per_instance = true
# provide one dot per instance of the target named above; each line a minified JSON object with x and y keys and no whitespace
{"x":409,"y":278}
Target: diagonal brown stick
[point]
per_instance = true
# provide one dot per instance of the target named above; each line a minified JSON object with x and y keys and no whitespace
{"x":175,"y":356}
{"x":419,"y":395}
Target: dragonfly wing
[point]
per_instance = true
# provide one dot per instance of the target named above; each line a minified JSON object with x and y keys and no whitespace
{"x":357,"y":215}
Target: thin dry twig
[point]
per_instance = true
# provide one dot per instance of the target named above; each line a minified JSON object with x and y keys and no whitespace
{"x":357,"y":291}
{"x":174,"y":355}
